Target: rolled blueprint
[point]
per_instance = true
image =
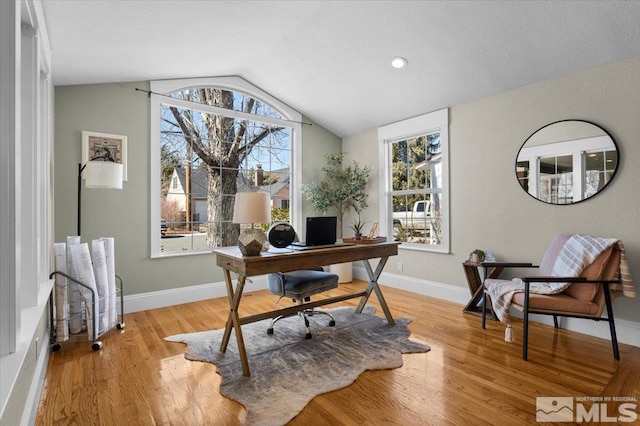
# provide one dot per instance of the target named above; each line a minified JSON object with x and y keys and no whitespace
{"x":73,"y":291}
{"x":100,"y":274}
{"x":62,"y":303}
{"x":83,"y":270}
{"x":109,"y":249}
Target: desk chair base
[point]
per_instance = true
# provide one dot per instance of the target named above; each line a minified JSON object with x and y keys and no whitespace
{"x":304,"y":314}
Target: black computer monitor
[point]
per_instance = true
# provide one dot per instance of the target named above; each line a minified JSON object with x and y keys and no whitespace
{"x":321,"y":230}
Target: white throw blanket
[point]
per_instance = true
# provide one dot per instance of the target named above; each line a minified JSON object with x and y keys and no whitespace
{"x":577,"y":253}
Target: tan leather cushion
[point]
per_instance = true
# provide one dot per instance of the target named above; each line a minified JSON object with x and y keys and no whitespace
{"x":557,"y":303}
{"x":587,"y":292}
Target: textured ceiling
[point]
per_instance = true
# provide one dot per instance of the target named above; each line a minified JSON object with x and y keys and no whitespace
{"x":330,"y":59}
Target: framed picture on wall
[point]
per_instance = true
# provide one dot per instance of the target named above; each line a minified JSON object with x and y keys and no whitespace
{"x":105,"y":147}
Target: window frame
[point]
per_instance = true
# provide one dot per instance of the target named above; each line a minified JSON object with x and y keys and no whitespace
{"x":26,"y":156}
{"x":437,"y":121}
{"x":162,"y":88}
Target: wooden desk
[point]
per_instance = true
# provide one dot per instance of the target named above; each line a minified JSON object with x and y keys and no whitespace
{"x":231,"y":260}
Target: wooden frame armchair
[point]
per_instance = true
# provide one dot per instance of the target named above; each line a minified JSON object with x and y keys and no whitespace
{"x":586,"y":297}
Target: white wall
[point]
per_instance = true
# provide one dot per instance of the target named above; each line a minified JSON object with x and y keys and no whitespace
{"x":489,"y":209}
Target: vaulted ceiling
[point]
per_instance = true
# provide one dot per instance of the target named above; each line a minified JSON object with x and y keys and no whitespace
{"x":331,"y":59}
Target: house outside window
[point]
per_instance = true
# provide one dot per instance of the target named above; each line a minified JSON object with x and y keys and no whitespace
{"x":415,"y":190}
{"x":211,"y":139}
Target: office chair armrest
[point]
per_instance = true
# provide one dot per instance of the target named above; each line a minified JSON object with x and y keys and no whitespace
{"x":275,"y":283}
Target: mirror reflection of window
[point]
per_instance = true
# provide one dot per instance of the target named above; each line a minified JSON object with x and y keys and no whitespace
{"x":522,"y":171}
{"x":566,"y":162}
{"x":556,"y":179}
{"x":600,"y":167}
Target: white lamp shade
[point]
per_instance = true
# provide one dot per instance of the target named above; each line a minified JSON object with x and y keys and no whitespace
{"x":252,"y":207}
{"x":103,"y":174}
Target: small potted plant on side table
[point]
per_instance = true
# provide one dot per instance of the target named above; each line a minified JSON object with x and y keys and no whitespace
{"x":477,"y":256}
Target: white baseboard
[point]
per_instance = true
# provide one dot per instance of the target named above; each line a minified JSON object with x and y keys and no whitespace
{"x":627,"y":331}
{"x":179,"y":296}
{"x":447,"y":292}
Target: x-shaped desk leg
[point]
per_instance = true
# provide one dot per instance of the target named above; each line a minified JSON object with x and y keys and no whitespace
{"x":233,"y":321}
{"x":373,"y":285}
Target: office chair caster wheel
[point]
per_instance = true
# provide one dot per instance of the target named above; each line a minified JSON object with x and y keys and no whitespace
{"x":269,"y":330}
{"x":332,"y":323}
{"x":97,"y":345}
{"x":307,"y":336}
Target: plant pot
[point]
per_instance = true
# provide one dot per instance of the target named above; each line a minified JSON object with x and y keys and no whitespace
{"x":344,"y":272}
{"x":475,"y":258}
{"x":358,"y":236}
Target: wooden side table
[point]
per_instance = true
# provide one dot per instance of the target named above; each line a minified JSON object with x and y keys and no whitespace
{"x":477,"y":289}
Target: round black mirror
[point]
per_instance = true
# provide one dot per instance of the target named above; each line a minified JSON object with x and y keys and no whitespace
{"x":567,"y":162}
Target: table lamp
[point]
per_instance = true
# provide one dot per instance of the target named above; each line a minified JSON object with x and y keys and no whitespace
{"x":251,"y":207}
{"x":98,"y":174}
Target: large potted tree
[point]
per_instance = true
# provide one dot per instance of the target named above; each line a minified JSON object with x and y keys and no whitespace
{"x":342,"y":190}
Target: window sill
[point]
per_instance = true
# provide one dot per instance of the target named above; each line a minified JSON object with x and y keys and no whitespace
{"x":179,"y":254}
{"x":416,"y":247}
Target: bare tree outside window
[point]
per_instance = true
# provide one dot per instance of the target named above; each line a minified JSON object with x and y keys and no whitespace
{"x":216,"y":154}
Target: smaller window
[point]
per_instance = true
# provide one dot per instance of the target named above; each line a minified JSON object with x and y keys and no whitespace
{"x":414,"y":153}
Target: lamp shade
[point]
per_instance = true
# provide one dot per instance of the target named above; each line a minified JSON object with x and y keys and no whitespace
{"x":252,"y":207}
{"x":103,"y":174}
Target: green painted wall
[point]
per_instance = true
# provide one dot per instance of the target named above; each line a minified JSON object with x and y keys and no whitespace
{"x":317,"y":143}
{"x":119,"y":109}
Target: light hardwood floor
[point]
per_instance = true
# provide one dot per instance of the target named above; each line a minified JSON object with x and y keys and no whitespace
{"x":470,"y":376}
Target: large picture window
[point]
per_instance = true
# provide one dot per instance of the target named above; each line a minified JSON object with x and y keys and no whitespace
{"x":214,"y":138}
{"x":415,"y":155}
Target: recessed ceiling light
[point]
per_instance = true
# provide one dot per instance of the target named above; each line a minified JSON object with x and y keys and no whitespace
{"x":399,"y":63}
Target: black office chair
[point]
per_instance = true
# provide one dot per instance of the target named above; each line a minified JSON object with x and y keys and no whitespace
{"x":300,"y":286}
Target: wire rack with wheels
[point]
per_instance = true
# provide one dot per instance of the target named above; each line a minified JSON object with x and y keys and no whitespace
{"x":91,"y":327}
